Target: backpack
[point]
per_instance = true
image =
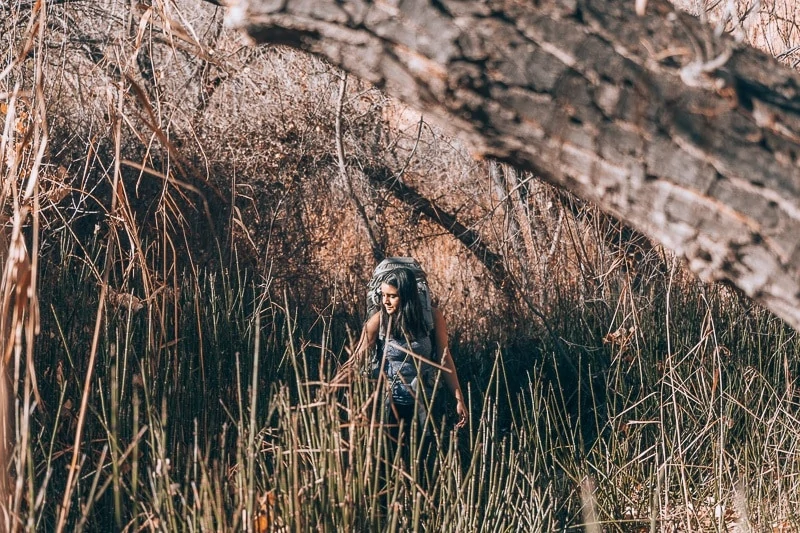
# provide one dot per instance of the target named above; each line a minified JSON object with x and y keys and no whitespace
{"x":380,"y":274}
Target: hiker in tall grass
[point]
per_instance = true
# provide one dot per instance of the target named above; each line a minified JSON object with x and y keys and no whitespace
{"x":411,"y":353}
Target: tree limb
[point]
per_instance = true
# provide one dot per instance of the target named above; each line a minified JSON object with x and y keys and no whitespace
{"x":468,"y":237}
{"x":690,"y":138}
{"x":377,"y":250}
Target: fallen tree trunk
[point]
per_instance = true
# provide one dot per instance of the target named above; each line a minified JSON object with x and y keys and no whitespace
{"x":690,"y":138}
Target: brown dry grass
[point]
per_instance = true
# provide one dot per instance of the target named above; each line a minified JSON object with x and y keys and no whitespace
{"x":770,"y":25}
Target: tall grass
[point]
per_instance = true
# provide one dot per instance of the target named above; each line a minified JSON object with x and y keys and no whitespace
{"x":684,"y":418}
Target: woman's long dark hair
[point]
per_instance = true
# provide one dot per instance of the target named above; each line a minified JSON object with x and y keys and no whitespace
{"x":409,"y":320}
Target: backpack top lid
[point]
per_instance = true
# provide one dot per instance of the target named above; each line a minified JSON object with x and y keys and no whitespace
{"x":382,"y":271}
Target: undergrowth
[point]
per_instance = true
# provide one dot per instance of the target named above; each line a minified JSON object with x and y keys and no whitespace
{"x":681,"y":415}
{"x":148,"y":397}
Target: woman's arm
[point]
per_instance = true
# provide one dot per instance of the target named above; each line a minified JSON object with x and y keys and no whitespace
{"x":446,"y":360}
{"x":369,"y":335}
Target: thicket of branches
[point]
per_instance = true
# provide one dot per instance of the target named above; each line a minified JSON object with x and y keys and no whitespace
{"x":226,"y":153}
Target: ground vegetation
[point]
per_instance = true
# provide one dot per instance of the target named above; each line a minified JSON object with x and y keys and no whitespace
{"x":191,"y":222}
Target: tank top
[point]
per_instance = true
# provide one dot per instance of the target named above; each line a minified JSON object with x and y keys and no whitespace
{"x":406,"y":374}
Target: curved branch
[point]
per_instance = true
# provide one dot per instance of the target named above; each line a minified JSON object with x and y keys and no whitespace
{"x":689,"y":138}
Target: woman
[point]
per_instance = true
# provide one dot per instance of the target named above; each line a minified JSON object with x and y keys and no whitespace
{"x":410,"y":353}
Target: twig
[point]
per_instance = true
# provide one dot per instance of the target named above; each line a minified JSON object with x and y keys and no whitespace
{"x":377,"y":250}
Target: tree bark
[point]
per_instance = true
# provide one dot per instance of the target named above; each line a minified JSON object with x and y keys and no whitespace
{"x":690,"y":138}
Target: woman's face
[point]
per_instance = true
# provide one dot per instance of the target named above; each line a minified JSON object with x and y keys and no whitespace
{"x":391,"y":298}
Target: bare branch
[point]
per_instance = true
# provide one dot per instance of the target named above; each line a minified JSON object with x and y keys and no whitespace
{"x":695,"y":145}
{"x":377,"y":249}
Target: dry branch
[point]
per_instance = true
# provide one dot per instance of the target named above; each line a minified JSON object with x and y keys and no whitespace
{"x":377,"y":250}
{"x":470,"y":238}
{"x":690,"y":138}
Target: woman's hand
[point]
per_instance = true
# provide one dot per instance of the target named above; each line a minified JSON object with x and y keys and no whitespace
{"x":345,"y":373}
{"x":446,"y":359}
{"x":461,"y":409}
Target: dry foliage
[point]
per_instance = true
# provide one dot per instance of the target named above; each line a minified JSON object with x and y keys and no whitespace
{"x":152,"y":130}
